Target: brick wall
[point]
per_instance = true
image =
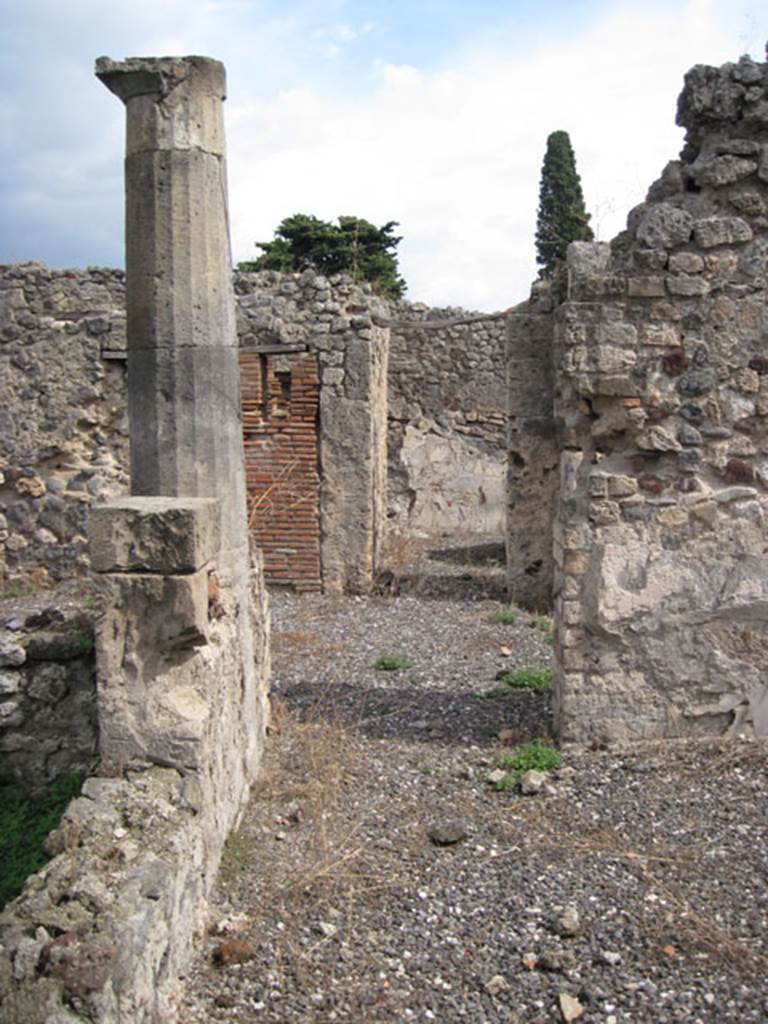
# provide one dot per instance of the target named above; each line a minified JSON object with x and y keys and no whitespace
{"x":280,"y":395}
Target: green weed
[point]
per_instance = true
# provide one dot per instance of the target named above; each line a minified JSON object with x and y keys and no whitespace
{"x":81,"y":641}
{"x":543,"y":623}
{"x":536,"y":755}
{"x":26,"y":818}
{"x":528,"y":678}
{"x":391,"y":662}
{"x":505,"y":617}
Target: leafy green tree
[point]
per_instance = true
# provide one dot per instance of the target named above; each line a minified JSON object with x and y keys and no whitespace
{"x":562,"y":217}
{"x":353,"y":246}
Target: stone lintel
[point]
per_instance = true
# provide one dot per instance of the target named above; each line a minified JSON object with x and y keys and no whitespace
{"x":154,"y":534}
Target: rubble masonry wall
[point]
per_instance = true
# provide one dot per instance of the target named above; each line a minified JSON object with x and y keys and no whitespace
{"x":662,"y":397}
{"x":64,"y":432}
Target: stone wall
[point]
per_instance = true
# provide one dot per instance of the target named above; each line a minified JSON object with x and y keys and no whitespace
{"x":64,"y":437}
{"x":64,"y":431}
{"x":447,"y":412}
{"x":105,"y":930}
{"x":47,"y":692}
{"x":345,"y":327}
{"x":63,"y":423}
{"x":662,"y":350}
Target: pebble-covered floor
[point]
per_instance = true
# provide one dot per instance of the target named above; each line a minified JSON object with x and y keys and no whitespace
{"x":633,"y":887}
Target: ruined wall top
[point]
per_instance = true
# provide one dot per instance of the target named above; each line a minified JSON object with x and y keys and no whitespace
{"x":733,"y":97}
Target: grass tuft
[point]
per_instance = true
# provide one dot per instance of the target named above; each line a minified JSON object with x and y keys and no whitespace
{"x":543,"y":623}
{"x":505,"y":617}
{"x":391,"y":662}
{"x":528,"y":678}
{"x":26,"y":818}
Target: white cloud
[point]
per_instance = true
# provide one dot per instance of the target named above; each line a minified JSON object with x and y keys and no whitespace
{"x":455,"y":155}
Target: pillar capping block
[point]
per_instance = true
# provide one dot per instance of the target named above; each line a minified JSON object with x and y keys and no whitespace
{"x":159,"y":76}
{"x":154,"y":534}
{"x":173,"y":103}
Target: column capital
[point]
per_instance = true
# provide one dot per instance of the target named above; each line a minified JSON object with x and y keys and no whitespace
{"x":172,"y":102}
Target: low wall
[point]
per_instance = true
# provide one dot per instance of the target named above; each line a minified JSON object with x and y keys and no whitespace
{"x":105,"y":931}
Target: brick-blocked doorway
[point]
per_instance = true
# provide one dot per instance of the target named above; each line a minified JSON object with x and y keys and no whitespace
{"x":280,"y":396}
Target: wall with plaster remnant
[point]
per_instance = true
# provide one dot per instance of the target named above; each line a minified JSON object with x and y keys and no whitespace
{"x":662,"y":396}
{"x":447,"y":415}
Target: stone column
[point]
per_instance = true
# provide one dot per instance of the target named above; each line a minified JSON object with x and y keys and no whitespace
{"x":184,"y":384}
{"x":183,"y":376}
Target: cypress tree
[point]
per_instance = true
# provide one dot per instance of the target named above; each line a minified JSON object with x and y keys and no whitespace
{"x":562,"y":217}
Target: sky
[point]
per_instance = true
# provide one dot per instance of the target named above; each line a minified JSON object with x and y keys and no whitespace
{"x":432,"y":114}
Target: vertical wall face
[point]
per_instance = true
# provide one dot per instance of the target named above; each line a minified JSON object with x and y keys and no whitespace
{"x":662,"y":349}
{"x":446,"y":420}
{"x":533,"y":453}
{"x":280,"y":398}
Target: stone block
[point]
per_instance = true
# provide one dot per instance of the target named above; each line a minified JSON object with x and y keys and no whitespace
{"x":722,"y":170}
{"x":646,"y":287}
{"x":588,"y":257}
{"x":712,"y":231}
{"x":154,"y":534}
{"x":686,"y":263}
{"x":611,"y":359}
{"x":664,"y":226}
{"x":661,"y":335}
{"x":679,"y":284}
{"x":155,"y":616}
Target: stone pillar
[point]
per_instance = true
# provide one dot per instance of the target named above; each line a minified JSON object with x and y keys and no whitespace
{"x":183,"y":376}
{"x":184,"y":382}
{"x":532,"y":452}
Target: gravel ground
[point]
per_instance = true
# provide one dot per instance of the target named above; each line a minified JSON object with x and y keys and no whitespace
{"x":631,"y":888}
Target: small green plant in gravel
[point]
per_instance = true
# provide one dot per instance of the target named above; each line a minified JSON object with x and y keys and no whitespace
{"x":536,"y":755}
{"x":391,"y":662}
{"x":543,"y":623}
{"x":505,"y":617}
{"x":26,"y":818}
{"x":528,"y":678}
